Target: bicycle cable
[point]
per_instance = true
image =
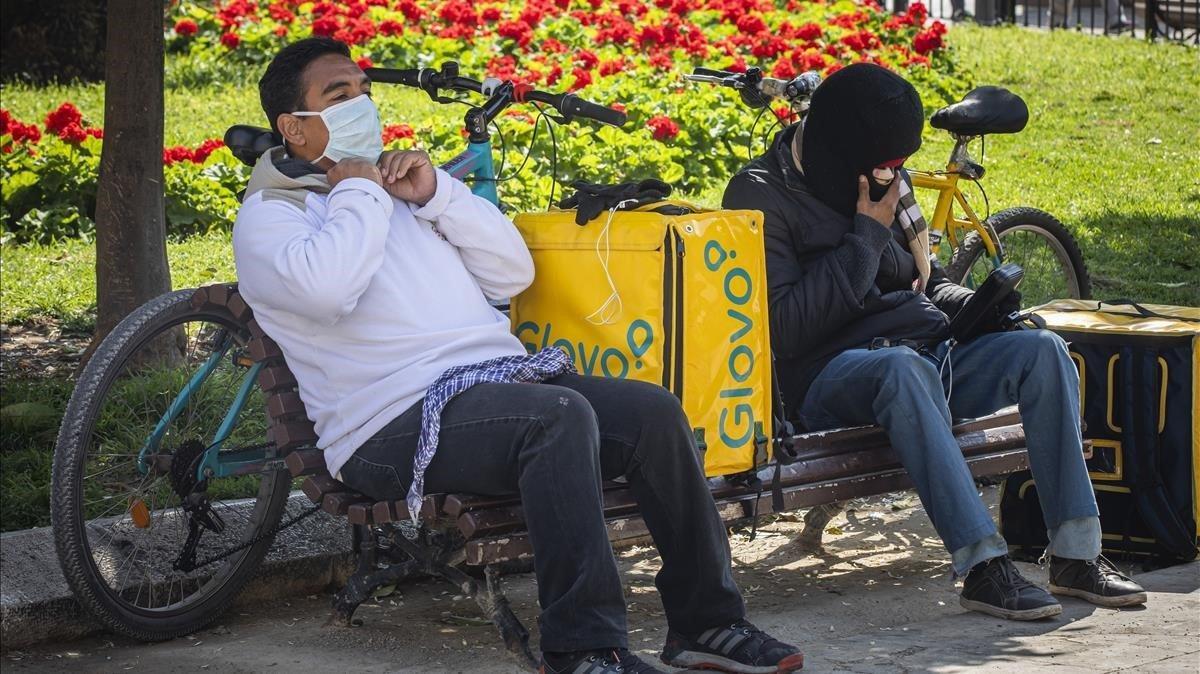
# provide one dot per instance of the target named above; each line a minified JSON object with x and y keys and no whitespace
{"x":553,"y":155}
{"x":503,"y":150}
{"x":765,"y":138}
{"x":753,"y":129}
{"x":987,"y":206}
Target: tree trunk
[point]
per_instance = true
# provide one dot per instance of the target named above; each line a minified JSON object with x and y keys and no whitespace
{"x":131,"y":249}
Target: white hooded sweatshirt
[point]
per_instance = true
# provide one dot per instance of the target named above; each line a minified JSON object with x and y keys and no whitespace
{"x":371,"y":298}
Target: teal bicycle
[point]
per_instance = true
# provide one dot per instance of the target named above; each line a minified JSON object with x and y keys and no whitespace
{"x":167,"y":492}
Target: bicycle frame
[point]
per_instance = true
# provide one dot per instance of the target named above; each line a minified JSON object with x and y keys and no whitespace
{"x":213,"y":465}
{"x":943,"y":223}
{"x":475,"y":163}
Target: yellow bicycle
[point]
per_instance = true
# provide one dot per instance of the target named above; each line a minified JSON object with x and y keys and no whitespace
{"x":969,"y":247}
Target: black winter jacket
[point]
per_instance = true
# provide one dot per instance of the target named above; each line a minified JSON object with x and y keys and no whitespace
{"x":835,"y":283}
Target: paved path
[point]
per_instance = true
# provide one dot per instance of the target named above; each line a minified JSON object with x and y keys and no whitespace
{"x":879,"y":598}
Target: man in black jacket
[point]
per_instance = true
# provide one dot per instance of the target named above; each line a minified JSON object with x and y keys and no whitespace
{"x":860,"y":323}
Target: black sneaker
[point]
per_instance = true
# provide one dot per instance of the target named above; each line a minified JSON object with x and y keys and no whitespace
{"x":740,"y":647}
{"x":1097,"y":581}
{"x":616,"y":661}
{"x":996,"y":587}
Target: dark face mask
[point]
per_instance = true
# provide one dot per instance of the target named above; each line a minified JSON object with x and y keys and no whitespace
{"x":877,"y":187}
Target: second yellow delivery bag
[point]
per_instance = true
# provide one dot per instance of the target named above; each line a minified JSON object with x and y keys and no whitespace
{"x":668,"y":293}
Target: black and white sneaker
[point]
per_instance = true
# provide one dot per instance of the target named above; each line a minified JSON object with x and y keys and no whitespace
{"x":1095,"y":580}
{"x":996,"y":587}
{"x":740,"y":647}
{"x":616,"y":661}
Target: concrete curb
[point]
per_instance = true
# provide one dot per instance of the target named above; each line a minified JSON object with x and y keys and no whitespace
{"x":36,"y":604}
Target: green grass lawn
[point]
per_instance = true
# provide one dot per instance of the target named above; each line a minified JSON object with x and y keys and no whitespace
{"x":1111,"y":149}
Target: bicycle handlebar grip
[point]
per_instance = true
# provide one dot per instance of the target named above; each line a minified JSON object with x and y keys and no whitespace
{"x":710,"y":72}
{"x":409,"y":77}
{"x":574,"y":106}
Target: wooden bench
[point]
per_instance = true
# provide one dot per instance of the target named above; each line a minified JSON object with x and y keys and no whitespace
{"x":471,"y":540}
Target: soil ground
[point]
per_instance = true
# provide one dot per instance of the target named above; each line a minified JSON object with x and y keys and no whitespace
{"x":879,"y":597}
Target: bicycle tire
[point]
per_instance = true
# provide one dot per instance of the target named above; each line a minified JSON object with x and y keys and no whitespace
{"x":68,"y":519}
{"x":1037,"y":222}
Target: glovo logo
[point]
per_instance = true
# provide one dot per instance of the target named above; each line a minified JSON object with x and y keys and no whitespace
{"x":611,"y":361}
{"x":735,"y":424}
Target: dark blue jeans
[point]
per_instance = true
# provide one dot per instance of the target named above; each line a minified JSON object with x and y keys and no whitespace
{"x":553,"y":443}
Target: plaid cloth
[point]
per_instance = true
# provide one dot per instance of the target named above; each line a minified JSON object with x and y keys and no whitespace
{"x":915,"y":230}
{"x":545,"y":364}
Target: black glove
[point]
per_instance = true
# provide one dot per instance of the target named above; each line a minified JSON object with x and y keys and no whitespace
{"x":1005,"y":307}
{"x":591,"y":199}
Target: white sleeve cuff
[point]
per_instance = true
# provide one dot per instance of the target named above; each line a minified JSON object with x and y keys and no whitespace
{"x":441,"y":197}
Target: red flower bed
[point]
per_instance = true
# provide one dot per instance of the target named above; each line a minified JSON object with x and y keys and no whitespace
{"x":66,"y":123}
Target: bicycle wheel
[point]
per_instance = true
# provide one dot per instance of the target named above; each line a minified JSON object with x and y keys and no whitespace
{"x":123,"y":525}
{"x":1037,"y":241}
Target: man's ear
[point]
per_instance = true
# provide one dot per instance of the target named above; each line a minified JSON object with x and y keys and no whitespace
{"x":291,"y":129}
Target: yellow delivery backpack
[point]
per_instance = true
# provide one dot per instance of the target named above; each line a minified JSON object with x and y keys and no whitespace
{"x":668,"y":293}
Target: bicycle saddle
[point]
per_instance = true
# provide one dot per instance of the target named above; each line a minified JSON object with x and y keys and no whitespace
{"x":983,"y":110}
{"x":247,"y":143}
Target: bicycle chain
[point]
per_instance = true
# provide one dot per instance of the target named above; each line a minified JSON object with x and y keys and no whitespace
{"x":232,"y":551}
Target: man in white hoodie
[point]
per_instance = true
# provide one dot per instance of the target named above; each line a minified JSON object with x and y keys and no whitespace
{"x":373,"y":271}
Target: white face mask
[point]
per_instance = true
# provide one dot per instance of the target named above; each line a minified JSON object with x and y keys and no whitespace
{"x":354,"y":129}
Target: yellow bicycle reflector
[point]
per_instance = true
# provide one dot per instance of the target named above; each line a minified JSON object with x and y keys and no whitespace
{"x":243,"y":361}
{"x":139,"y":513}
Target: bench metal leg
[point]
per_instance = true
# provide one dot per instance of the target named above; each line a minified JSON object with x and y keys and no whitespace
{"x":367,"y":578}
{"x":495,"y":605}
{"x":410,"y":553}
{"x":815,"y":521}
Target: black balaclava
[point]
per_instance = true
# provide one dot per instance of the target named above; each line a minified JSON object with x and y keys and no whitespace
{"x":862,"y":116}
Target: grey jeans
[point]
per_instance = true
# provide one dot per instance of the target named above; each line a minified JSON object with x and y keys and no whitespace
{"x":552,"y":444}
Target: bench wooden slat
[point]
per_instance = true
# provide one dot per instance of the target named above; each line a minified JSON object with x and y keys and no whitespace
{"x":212,"y":295}
{"x":285,"y":404}
{"x":622,"y":532}
{"x":827,"y":443}
{"x":305,"y":462}
{"x":629,"y":530}
{"x":264,"y":348}
{"x":317,"y":486}
{"x":360,"y":513}
{"x":255,"y":329}
{"x":457,"y":504}
{"x":339,"y":503}
{"x":490,"y":522}
{"x":431,"y":507}
{"x":276,"y":378}
{"x":288,"y":435}
{"x":238,"y":308}
{"x":199,"y":297}
{"x":386,"y":511}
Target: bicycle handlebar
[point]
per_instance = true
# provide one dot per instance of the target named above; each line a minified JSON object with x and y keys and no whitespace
{"x":571,"y":105}
{"x":430,"y":80}
{"x":797,"y":88}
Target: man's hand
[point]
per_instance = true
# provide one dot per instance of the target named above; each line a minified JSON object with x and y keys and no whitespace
{"x":882,"y":211}
{"x":408,"y":175}
{"x":354,"y":168}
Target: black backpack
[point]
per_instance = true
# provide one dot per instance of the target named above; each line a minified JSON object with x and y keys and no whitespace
{"x":1138,"y":386}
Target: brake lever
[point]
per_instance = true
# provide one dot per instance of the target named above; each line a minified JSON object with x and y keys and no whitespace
{"x":733,"y":82}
